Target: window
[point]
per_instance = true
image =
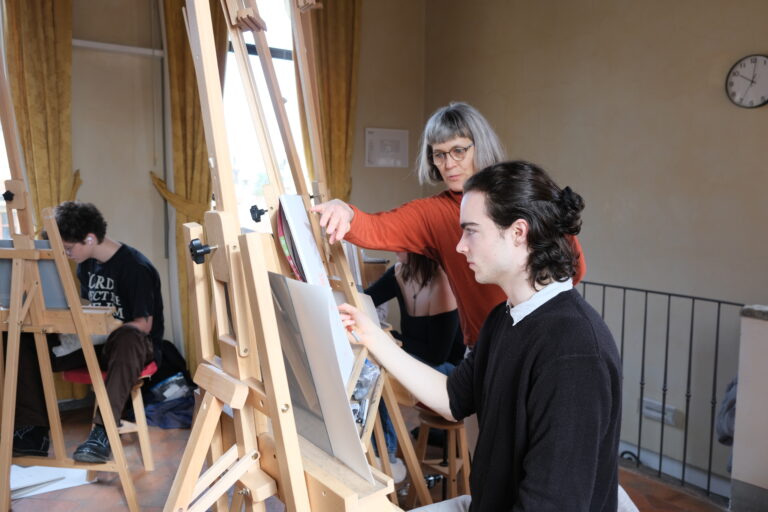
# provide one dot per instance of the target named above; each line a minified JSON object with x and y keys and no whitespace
{"x":248,"y":168}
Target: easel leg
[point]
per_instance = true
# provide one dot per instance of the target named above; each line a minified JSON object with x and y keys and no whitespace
{"x":203,"y":431}
{"x":214,"y":453}
{"x":9,"y":388}
{"x":411,"y":461}
{"x":51,"y":403}
{"x":378,"y":432}
{"x":2,"y":369}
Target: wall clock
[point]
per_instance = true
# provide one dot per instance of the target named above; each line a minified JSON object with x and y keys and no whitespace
{"x":747,"y":82}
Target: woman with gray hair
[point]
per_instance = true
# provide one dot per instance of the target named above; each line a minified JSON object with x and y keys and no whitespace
{"x":457,"y":142}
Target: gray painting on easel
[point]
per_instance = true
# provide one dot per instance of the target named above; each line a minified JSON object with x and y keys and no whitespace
{"x":318,"y":361}
{"x":53,"y":291}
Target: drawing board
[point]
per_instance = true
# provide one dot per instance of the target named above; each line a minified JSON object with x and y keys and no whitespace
{"x":311,"y":330}
{"x":53,"y":291}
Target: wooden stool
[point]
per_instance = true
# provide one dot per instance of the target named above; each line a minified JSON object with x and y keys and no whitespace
{"x":81,"y":376}
{"x":456,"y":446}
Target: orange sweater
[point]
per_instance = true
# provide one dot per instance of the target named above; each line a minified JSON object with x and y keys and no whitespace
{"x":430,"y":226}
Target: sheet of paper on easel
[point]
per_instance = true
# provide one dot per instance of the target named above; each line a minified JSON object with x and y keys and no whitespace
{"x":330,"y":359}
{"x":308,"y":254}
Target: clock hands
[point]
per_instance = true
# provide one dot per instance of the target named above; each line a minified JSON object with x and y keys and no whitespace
{"x":751,"y":80}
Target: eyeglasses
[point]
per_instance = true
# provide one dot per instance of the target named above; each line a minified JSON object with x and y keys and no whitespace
{"x":458,"y":154}
{"x":68,"y":248}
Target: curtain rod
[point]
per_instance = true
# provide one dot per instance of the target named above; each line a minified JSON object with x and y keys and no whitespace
{"x":118,"y":48}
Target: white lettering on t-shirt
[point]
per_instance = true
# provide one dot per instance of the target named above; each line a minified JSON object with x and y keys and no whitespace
{"x":101,"y":292}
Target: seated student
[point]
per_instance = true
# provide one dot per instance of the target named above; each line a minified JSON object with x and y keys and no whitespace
{"x":429,"y":319}
{"x":429,"y":323}
{"x":111,"y":274}
{"x":545,"y":376}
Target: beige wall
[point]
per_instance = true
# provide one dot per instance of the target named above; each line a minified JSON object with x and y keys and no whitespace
{"x":625,"y":102}
{"x":391,"y":95}
{"x":117,"y":131}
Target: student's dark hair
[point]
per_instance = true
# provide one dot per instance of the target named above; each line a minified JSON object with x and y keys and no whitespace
{"x":418,"y":268}
{"x":521,"y":190}
{"x":75,"y":220}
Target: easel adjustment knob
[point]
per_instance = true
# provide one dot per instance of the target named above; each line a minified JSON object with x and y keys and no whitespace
{"x":8,"y":195}
{"x":256,"y":213}
{"x":198,"y":250}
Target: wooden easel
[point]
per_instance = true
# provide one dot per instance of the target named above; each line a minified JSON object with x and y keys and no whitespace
{"x":243,"y":16}
{"x":27,"y":313}
{"x":249,"y":376}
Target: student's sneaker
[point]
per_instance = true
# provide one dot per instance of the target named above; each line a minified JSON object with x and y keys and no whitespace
{"x":399,"y":471}
{"x":31,"y":440}
{"x":95,"y":449}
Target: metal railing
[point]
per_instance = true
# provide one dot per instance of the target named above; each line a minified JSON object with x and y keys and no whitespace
{"x":670,"y":324}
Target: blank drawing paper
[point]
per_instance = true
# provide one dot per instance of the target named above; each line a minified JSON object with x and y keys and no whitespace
{"x":310,"y":310}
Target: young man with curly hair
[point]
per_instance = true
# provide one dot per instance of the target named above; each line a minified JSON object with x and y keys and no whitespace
{"x":113,"y":274}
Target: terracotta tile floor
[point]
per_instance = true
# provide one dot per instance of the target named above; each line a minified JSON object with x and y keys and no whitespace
{"x":652,"y":495}
{"x":649,"y":494}
{"x":107,"y":495}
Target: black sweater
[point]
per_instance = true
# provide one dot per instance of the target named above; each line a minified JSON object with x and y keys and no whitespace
{"x":547,"y":393}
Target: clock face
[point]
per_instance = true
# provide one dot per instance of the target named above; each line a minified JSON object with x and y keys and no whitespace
{"x":747,"y":82}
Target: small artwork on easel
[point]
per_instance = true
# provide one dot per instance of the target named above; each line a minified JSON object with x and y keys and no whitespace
{"x":298,"y":242}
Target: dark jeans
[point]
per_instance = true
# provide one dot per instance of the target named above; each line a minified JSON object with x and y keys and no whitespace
{"x":125,"y":354}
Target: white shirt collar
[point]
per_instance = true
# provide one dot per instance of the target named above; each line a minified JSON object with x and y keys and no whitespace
{"x":524,"y":309}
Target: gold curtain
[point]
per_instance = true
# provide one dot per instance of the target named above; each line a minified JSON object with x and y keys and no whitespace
{"x":39,"y":53}
{"x":191,"y":194}
{"x":39,"y":45}
{"x":336,"y":45}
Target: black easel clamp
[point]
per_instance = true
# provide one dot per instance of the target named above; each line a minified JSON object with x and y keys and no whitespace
{"x":256,"y":213}
{"x":198,"y":250}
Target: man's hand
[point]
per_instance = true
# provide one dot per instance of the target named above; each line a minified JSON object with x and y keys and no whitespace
{"x":363,"y":329}
{"x":335,"y":217}
{"x":427,"y":384}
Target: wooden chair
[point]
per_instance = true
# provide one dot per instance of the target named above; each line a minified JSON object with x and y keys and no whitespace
{"x":457,"y":453}
{"x":81,"y":376}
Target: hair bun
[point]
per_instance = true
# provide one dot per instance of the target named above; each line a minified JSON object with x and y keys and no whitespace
{"x":571,"y":204}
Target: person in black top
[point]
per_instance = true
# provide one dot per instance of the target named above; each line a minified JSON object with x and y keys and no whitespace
{"x":545,"y":375}
{"x":111,"y":274}
{"x":429,"y":319}
{"x":429,"y":324}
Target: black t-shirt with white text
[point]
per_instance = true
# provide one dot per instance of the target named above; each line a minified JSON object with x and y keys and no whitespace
{"x":127,"y":281}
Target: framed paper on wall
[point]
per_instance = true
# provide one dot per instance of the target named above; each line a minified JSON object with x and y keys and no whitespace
{"x":386,"y":148}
